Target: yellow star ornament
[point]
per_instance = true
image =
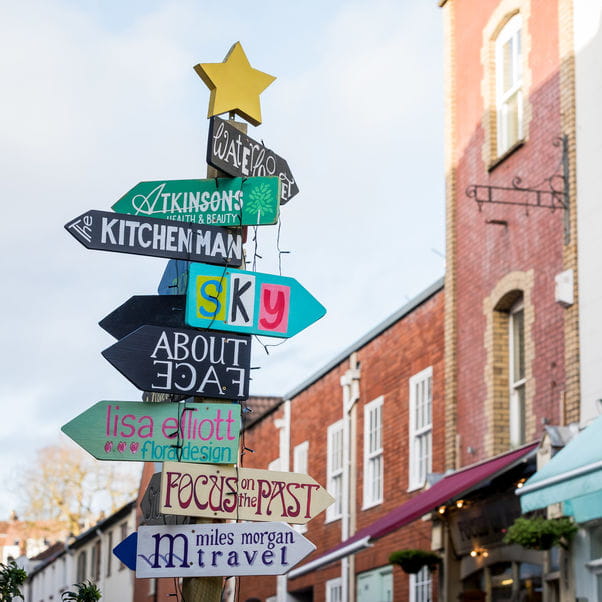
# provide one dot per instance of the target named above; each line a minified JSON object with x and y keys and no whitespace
{"x":235,"y":86}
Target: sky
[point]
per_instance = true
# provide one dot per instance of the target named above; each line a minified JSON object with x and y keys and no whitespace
{"x":100,"y":95}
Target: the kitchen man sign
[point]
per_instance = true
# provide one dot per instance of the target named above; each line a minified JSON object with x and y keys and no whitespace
{"x":217,"y":202}
{"x":106,"y":231}
{"x":184,"y":361}
{"x":155,"y":432}
{"x":240,"y":493}
{"x":249,"y":302}
{"x":236,"y":154}
{"x":213,"y":550}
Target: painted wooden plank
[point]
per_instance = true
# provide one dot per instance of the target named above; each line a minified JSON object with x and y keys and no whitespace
{"x":240,"y":493}
{"x":248,"y":302}
{"x":271,"y":548}
{"x":215,"y":202}
{"x":155,"y":432}
{"x":105,"y":231}
{"x":150,"y":503}
{"x":184,"y":361}
{"x":238,"y":155}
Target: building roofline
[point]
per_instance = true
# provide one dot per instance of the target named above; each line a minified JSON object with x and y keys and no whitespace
{"x":403,"y":311}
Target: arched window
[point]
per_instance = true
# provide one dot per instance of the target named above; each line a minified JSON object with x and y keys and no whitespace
{"x":509,"y":84}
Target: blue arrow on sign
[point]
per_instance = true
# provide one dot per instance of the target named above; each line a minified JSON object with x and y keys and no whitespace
{"x":248,"y":302}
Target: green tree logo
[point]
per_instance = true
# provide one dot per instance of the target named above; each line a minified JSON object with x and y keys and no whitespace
{"x":259,"y":202}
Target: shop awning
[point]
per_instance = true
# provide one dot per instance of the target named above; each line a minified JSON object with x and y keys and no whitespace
{"x":445,"y":490}
{"x":572,"y":476}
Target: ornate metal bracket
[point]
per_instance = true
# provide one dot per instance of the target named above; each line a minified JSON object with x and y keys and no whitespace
{"x":551,"y":193}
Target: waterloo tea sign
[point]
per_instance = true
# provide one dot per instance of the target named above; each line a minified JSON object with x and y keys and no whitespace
{"x":240,"y":493}
{"x":155,"y":432}
{"x":234,"y":153}
{"x":217,"y":202}
{"x":184,"y":361}
{"x":122,"y":233}
{"x":248,"y":302}
{"x":213,"y":550}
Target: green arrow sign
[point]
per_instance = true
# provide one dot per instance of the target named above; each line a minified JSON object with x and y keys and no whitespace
{"x":248,"y":302}
{"x":155,"y":432}
{"x":218,"y":202}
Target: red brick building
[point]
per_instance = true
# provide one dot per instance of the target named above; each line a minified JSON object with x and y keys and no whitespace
{"x":511,"y":350}
{"x":377,"y":409}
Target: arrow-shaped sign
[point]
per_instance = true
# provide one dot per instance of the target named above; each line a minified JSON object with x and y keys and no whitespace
{"x":153,"y":310}
{"x":106,"y":231}
{"x":213,"y":550}
{"x":217,"y":202}
{"x":249,"y":302}
{"x":240,"y":493}
{"x":234,"y":153}
{"x":184,"y":361}
{"x":154,"y":432}
{"x":175,"y":278}
{"x":149,"y":506}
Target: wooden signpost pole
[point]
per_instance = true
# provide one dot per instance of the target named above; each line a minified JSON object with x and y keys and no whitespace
{"x":208,"y":589}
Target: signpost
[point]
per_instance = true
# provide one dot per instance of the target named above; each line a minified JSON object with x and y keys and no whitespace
{"x":217,"y":202}
{"x":248,"y":302}
{"x":238,"y":155}
{"x":153,"y":310}
{"x":184,"y":361}
{"x":105,"y":231}
{"x":213,"y":550}
{"x":240,"y":493}
{"x":149,"y":506}
{"x":155,"y":432}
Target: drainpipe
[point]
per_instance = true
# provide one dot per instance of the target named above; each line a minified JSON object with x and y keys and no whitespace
{"x":350,"y":384}
{"x":284,"y":426}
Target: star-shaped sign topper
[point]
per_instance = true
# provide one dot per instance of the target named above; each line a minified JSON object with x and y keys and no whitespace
{"x":235,"y":86}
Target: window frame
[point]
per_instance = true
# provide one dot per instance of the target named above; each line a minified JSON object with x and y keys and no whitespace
{"x":516,"y":382}
{"x":331,"y":586}
{"x":422,"y":580}
{"x":416,"y":473}
{"x":511,"y":32}
{"x":301,"y":465}
{"x":334,"y":474}
{"x":373,"y":485}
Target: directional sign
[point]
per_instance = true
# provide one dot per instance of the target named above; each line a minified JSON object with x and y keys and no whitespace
{"x":217,"y":202}
{"x":106,"y":231}
{"x":149,"y":506}
{"x":184,"y":361}
{"x":213,"y":550}
{"x":175,"y":278}
{"x":154,"y":432}
{"x":250,"y":302}
{"x":154,"y":310}
{"x":240,"y":493}
{"x":234,"y":153}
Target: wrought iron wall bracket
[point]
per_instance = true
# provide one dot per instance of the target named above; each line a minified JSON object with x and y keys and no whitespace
{"x":551,"y":193}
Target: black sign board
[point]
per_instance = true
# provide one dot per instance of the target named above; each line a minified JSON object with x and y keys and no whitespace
{"x":105,"y":231}
{"x":184,"y":361}
{"x":154,"y":310}
{"x":234,"y":153}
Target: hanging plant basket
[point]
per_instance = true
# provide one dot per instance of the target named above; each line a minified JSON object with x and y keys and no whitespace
{"x":541,"y":533}
{"x":411,"y":561}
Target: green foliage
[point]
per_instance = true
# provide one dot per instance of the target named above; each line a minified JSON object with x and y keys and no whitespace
{"x":259,"y":200}
{"x":86,"y":592}
{"x":11,"y":580}
{"x":541,"y":533}
{"x":411,"y":561}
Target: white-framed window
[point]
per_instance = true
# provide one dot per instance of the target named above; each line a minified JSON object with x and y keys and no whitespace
{"x":516,"y":365}
{"x":300,"y":465}
{"x":373,"y":453}
{"x":334,"y":469}
{"x":420,"y":586}
{"x":334,"y":590}
{"x":421,"y":404}
{"x":509,"y":82}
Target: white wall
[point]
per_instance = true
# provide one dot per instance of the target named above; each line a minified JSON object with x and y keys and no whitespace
{"x":588,"y":52}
